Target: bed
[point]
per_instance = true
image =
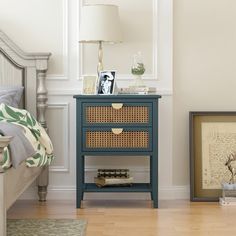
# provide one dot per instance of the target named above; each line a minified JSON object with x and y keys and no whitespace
{"x":28,"y":70}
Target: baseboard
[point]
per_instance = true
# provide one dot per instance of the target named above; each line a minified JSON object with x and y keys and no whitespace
{"x":69,"y":193}
{"x":174,"y":192}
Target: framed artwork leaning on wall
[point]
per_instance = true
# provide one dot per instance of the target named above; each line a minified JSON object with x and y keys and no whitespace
{"x":212,"y":142}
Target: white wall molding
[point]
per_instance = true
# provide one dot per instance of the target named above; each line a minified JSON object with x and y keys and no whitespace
{"x":62,"y":85}
{"x":80,"y":48}
{"x":69,"y":193}
{"x":65,"y":35}
{"x":155,"y":41}
{"x":71,"y":92}
{"x":65,"y":127}
{"x":174,"y":192}
{"x":155,"y":45}
{"x":63,"y":92}
{"x":161,"y":43}
{"x":132,"y":168}
{"x":140,"y":174}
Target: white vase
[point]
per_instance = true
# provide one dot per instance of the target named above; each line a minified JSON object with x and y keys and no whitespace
{"x":138,"y":81}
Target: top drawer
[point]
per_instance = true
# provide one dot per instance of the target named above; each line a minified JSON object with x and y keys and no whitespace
{"x":117,"y":113}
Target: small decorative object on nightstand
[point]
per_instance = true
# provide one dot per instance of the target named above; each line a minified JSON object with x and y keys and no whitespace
{"x":117,"y":125}
{"x":138,"y":70}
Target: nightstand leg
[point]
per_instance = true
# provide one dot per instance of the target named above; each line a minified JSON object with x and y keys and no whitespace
{"x":83,"y":177}
{"x":80,"y":181}
{"x":79,"y":197}
{"x":150,"y":168}
{"x":154,"y":180}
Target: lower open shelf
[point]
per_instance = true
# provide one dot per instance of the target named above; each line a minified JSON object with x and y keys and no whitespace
{"x":136,"y":187}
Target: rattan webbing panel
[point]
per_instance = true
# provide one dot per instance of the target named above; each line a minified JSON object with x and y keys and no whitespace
{"x":126,"y":139}
{"x":107,"y":114}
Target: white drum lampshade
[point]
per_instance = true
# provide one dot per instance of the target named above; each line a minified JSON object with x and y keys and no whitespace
{"x":100,"y":23}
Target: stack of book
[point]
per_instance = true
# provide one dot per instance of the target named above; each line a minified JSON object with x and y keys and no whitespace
{"x":113,"y":177}
{"x":138,"y":90}
{"x":228,"y":201}
{"x":228,"y":194}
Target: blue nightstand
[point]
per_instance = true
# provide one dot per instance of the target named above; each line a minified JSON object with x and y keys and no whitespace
{"x":110,"y":125}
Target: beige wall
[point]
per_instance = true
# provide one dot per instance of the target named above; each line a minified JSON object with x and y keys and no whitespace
{"x":204,"y":73}
{"x":42,"y":25}
{"x":26,"y":22}
{"x":204,"y":68}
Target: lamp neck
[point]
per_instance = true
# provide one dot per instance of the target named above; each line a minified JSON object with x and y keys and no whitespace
{"x":100,"y":56}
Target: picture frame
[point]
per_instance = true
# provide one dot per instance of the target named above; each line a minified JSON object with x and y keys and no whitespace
{"x":89,"y":84}
{"x":212,"y":140}
{"x":106,"y":82}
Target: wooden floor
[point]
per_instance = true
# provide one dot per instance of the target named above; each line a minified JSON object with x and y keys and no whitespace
{"x":137,"y":218}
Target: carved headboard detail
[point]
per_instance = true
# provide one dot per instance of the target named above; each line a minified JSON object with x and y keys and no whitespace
{"x":28,"y":70}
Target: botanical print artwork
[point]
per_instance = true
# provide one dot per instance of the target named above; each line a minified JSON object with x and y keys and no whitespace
{"x":218,"y":142}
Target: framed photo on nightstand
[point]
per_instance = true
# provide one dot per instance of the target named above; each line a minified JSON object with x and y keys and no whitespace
{"x":89,"y":84}
{"x":106,"y":82}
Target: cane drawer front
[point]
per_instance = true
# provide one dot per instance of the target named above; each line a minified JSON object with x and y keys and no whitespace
{"x":117,"y":139}
{"x":103,"y":114}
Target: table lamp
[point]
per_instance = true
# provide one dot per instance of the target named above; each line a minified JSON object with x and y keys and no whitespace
{"x":100,"y":24}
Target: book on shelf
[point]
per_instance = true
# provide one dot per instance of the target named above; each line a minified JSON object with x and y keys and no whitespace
{"x":230,"y":199}
{"x":102,"y":181}
{"x":143,"y":89}
{"x":138,"y":90}
{"x":122,"y":173}
{"x":227,"y":201}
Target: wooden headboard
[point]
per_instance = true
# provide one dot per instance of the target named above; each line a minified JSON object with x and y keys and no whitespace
{"x":28,"y":70}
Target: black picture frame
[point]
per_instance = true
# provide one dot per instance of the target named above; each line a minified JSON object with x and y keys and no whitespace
{"x":106,"y":82}
{"x":196,"y":119}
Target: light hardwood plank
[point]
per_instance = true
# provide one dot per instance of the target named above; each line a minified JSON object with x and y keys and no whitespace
{"x":137,"y":218}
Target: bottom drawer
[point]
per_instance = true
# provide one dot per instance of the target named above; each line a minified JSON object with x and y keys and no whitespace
{"x":126,"y":139}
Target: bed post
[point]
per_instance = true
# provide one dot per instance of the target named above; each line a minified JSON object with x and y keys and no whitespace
{"x":41,"y":66}
{"x":2,"y":205}
{"x":4,"y":141}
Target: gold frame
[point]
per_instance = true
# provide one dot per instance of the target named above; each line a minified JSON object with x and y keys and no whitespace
{"x":89,"y":84}
{"x":197,"y":193}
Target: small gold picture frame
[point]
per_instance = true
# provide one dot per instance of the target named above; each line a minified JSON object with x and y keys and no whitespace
{"x":89,"y":84}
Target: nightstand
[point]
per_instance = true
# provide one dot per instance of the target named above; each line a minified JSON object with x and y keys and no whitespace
{"x":111,"y":125}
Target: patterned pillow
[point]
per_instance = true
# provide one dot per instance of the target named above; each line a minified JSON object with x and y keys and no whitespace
{"x":11,"y":95}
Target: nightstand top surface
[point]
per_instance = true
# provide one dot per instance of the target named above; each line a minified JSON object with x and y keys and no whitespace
{"x":131,"y":96}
